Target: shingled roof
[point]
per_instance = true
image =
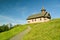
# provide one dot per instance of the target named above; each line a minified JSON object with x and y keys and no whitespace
{"x":39,"y":15}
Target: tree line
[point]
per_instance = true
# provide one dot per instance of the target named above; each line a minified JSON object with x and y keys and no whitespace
{"x":4,"y":27}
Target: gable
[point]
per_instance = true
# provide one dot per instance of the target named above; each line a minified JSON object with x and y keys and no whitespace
{"x":39,"y":15}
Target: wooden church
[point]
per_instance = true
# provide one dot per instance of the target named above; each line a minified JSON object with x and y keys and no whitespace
{"x":43,"y":16}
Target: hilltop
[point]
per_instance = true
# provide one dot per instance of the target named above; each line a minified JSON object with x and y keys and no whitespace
{"x":39,"y":31}
{"x":44,"y":31}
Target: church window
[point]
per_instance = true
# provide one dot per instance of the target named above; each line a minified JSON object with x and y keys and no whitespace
{"x":32,"y":20}
{"x":44,"y":18}
{"x":35,"y":19}
{"x":40,"y":18}
{"x":28,"y":21}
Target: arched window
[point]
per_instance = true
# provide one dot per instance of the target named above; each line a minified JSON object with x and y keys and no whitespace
{"x":35,"y":19}
{"x":32,"y":20}
{"x":28,"y":21}
{"x":40,"y":19}
{"x":44,"y":18}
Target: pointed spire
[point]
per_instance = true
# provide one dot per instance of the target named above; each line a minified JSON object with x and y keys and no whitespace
{"x":43,"y":9}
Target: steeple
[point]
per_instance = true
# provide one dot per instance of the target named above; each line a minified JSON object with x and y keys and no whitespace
{"x":43,"y":10}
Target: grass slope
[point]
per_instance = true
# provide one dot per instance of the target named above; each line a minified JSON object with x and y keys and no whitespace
{"x":44,"y":31}
{"x":8,"y":34}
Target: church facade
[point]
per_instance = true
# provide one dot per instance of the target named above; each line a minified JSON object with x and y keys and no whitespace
{"x":44,"y":16}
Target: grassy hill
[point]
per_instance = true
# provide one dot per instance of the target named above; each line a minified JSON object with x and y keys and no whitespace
{"x":8,"y":34}
{"x":44,"y":31}
{"x":39,"y":31}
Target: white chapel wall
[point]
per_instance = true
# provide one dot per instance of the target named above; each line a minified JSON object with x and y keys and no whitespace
{"x":38,"y":20}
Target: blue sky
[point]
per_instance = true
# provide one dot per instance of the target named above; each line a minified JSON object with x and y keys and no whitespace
{"x":16,"y":11}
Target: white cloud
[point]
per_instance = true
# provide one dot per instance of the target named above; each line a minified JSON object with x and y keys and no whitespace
{"x":6,"y":20}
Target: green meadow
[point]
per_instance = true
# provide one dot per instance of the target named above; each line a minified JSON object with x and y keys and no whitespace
{"x":44,"y":31}
{"x":8,"y":34}
{"x":39,"y":31}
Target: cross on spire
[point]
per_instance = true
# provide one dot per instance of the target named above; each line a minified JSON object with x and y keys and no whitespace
{"x":43,"y":9}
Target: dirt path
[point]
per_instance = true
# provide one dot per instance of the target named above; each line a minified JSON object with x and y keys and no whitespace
{"x":20,"y":35}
